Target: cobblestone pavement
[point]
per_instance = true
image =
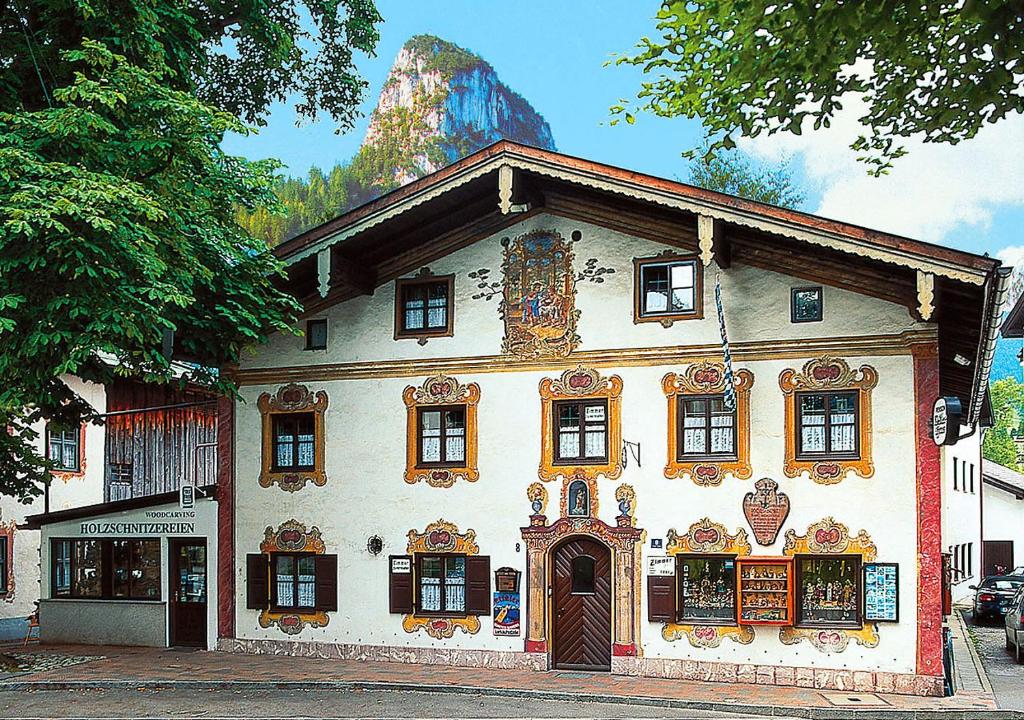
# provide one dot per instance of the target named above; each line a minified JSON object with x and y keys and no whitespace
{"x":1005,"y":675}
{"x":294,"y":704}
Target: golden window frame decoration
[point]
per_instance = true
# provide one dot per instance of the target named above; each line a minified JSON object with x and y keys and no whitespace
{"x":706,"y":537}
{"x":292,"y":537}
{"x":829,"y":537}
{"x":440,"y":390}
{"x":292,"y":398}
{"x":581,"y":383}
{"x":827,"y":374}
{"x":708,"y":378}
{"x":439,"y":538}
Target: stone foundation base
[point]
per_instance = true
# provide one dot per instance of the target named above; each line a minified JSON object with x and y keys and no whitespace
{"x":699,"y":670}
{"x":822,"y":679}
{"x":382,"y":653}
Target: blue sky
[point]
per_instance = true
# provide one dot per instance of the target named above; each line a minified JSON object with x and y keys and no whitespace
{"x":553,"y":54}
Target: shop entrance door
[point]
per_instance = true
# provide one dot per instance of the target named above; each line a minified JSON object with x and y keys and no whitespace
{"x":582,"y":605}
{"x":188,"y":591}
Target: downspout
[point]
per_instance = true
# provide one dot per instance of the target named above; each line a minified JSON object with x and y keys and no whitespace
{"x":995,"y":298}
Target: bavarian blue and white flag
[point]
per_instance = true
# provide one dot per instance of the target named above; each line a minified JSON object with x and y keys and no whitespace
{"x":730,"y":386}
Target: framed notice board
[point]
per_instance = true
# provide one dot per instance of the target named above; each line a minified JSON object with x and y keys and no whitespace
{"x":881,"y":592}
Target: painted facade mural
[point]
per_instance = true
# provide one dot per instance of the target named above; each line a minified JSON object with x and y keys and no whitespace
{"x":293,"y":537}
{"x":766,"y":510}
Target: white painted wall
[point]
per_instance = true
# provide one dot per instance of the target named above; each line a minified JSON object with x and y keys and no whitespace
{"x":365,"y":428}
{"x":961,"y":513}
{"x":66,"y":491}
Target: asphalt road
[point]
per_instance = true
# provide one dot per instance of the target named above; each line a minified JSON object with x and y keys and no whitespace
{"x":1006,"y":676}
{"x":296,"y":704}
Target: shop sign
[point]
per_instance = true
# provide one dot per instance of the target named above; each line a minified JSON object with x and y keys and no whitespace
{"x":187,"y":497}
{"x":881,"y":592}
{"x":946,"y":416}
{"x":506,"y":613}
{"x":661,"y":566}
{"x":137,"y":528}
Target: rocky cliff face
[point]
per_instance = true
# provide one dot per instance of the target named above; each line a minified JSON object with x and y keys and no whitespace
{"x":441,"y":103}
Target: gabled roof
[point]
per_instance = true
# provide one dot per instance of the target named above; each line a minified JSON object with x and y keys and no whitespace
{"x":502,"y":184}
{"x":1002,"y":477}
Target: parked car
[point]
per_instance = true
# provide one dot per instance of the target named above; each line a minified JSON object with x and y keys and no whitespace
{"x":993,"y":596}
{"x":1014,"y":624}
{"x":1019,"y":570}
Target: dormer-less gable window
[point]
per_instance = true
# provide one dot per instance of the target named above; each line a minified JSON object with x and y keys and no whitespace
{"x":667,"y":288}
{"x":424,"y":307}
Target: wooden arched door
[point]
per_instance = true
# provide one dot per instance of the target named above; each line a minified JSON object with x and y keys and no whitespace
{"x":581,"y":605}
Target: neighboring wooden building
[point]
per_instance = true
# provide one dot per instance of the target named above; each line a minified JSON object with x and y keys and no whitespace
{"x":511,"y":435}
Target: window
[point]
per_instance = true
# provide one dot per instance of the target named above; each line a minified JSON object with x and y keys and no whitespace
{"x":316,"y":334}
{"x":294,"y":583}
{"x":805,"y":305}
{"x":971,"y":475}
{"x":294,"y":441}
{"x":970,"y":559}
{"x":62,"y":448}
{"x":956,"y":474}
{"x":119,"y":483}
{"x":424,"y":307}
{"x":707,"y":429}
{"x":667,"y":289}
{"x":827,"y":424}
{"x":442,"y":584}
{"x":442,"y":436}
{"x":829,"y":591}
{"x":582,"y":575}
{"x":707,"y":589}
{"x":136,"y":566}
{"x":4,"y":583}
{"x":581,"y":431}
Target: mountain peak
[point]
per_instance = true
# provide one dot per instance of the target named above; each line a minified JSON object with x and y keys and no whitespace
{"x":441,"y":102}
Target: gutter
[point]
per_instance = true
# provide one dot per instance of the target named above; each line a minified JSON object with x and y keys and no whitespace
{"x":995,"y":299}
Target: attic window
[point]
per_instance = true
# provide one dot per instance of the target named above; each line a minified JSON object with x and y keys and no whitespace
{"x":424,"y":307}
{"x":667,"y":288}
{"x":316,"y":334}
{"x":805,"y":305}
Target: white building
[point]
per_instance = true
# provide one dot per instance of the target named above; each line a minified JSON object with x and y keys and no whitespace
{"x":1003,"y":493}
{"x":962,"y":514}
{"x":514,"y":367}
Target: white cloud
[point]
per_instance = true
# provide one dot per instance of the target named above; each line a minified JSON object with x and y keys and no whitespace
{"x":929,"y":193}
{"x":1012,"y":255}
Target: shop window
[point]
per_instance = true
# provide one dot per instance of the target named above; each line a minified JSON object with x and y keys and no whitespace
{"x":294,"y":581}
{"x":581,"y":432}
{"x":136,"y":569}
{"x":707,"y":589}
{"x":294,"y":441}
{"x":828,"y":591}
{"x":707,"y":429}
{"x":63,"y":448}
{"x":827,"y":425}
{"x":316,"y":334}
{"x":121,"y":569}
{"x":442,"y":584}
{"x":667,"y":288}
{"x":805,"y":305}
{"x":423,"y":308}
{"x":582,"y":575}
{"x":4,"y":570}
{"x":442,"y":436}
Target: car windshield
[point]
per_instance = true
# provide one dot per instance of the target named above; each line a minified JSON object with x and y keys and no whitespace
{"x":1002,"y":584}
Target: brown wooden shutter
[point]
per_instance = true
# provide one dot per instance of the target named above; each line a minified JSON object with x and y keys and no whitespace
{"x":661,"y":599}
{"x":326,"y":582}
{"x":400,"y":586}
{"x":478,"y":585}
{"x":257,"y":569}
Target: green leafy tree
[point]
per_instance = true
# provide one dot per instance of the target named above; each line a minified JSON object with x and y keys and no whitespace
{"x":731,"y":171}
{"x":941,"y":70}
{"x":1007,"y":397}
{"x":118,"y":224}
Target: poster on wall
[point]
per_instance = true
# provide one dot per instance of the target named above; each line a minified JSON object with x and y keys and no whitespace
{"x":506,"y":613}
{"x":881,"y":592}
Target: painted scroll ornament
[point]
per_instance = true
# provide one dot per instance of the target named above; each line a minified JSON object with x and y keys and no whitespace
{"x":766,"y":510}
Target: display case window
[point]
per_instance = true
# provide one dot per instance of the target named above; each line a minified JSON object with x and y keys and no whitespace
{"x":136,"y":569}
{"x":829,"y":591}
{"x":707,"y":589}
{"x":766,"y":591}
{"x":109,"y":569}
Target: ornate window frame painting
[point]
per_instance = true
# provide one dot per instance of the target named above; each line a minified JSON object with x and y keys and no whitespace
{"x":699,"y":379}
{"x":292,"y":537}
{"x":290,"y":399}
{"x":441,"y":538}
{"x":439,"y":391}
{"x":828,"y":374}
{"x":581,"y":383}
{"x":538,"y":304}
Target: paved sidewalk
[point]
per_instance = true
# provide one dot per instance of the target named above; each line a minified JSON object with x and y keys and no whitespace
{"x":163,"y":668}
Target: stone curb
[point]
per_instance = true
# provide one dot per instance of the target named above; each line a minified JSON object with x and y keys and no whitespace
{"x":815,"y":713}
{"x":979,"y":666}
